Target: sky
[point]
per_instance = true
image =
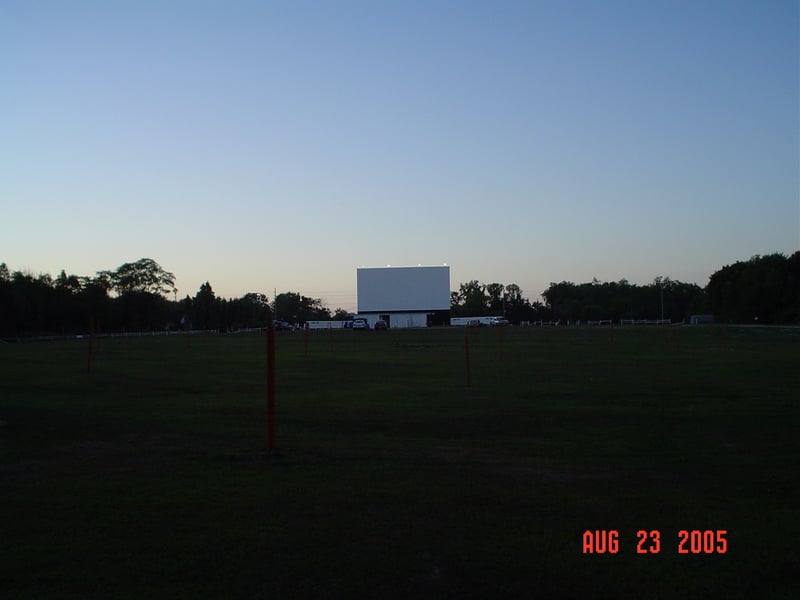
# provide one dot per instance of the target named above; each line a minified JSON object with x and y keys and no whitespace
{"x":278,"y":146}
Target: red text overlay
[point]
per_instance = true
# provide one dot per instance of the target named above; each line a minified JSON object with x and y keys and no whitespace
{"x":650,"y":541}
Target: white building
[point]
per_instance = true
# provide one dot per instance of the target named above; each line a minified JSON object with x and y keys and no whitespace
{"x":404,"y":296}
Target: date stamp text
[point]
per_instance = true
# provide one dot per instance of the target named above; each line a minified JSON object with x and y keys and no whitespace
{"x":650,"y":541}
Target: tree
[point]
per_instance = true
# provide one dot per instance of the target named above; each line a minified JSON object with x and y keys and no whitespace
{"x":513,"y":293}
{"x":294,"y":308}
{"x":104,"y":280}
{"x":763,"y":289}
{"x":251,"y":310}
{"x":30,"y":304}
{"x":621,"y":300}
{"x":496,"y":299}
{"x":474,"y":299}
{"x":455,"y":303}
{"x":70,"y":284}
{"x":141,"y":311}
{"x":470,"y":300}
{"x":518,"y":308}
{"x":94,"y":297}
{"x":341,"y":314}
{"x":144,"y":275}
{"x":560,"y":299}
{"x":205,"y":308}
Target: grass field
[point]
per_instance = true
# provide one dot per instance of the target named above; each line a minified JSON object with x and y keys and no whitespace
{"x":148,"y":477}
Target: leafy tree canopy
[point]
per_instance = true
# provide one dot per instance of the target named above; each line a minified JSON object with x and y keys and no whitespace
{"x":144,"y":275}
{"x":341,"y":314}
{"x":764,"y":289}
{"x":295,"y":308}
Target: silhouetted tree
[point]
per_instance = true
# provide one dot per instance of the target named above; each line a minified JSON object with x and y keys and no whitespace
{"x":144,"y":275}
{"x":206,"y":308}
{"x":621,"y":300}
{"x":470,"y":300}
{"x":251,"y":310}
{"x":495,"y":293}
{"x":341,"y":314}
{"x":474,"y":299}
{"x":295,"y":308}
{"x":764,"y":289}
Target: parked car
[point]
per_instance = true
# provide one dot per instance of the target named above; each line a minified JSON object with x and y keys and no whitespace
{"x":360,"y":324}
{"x":282,"y":326}
{"x":380,"y":325}
{"x":498,"y":321}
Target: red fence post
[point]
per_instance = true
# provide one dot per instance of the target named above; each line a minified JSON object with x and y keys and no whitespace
{"x":500,"y":340}
{"x":89,"y":352}
{"x":271,"y":388}
{"x":466,"y":350}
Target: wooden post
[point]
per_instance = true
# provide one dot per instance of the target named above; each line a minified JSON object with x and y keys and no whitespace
{"x":271,"y":388}
{"x":89,"y":351}
{"x":466,"y":350}
{"x":500,"y":340}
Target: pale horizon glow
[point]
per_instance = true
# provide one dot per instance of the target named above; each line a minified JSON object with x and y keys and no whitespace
{"x":273,"y":147}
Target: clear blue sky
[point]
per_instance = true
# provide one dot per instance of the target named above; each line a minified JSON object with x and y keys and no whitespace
{"x":280,"y":145}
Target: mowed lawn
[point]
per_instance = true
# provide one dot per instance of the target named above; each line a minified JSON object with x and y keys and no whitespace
{"x":148,"y":476}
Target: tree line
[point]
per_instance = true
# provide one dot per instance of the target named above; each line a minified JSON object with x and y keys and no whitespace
{"x":594,"y":301}
{"x":135,"y":297}
{"x":763,"y":289}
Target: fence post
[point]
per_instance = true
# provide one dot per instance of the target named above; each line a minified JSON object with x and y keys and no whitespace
{"x":466,"y":350}
{"x":271,"y":388}
{"x":500,"y":340}
{"x":91,"y":340}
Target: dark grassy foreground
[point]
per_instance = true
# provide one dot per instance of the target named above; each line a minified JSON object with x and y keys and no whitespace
{"x":147,"y":477}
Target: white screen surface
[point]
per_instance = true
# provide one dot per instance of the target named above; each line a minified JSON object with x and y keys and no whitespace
{"x":403,"y":289}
